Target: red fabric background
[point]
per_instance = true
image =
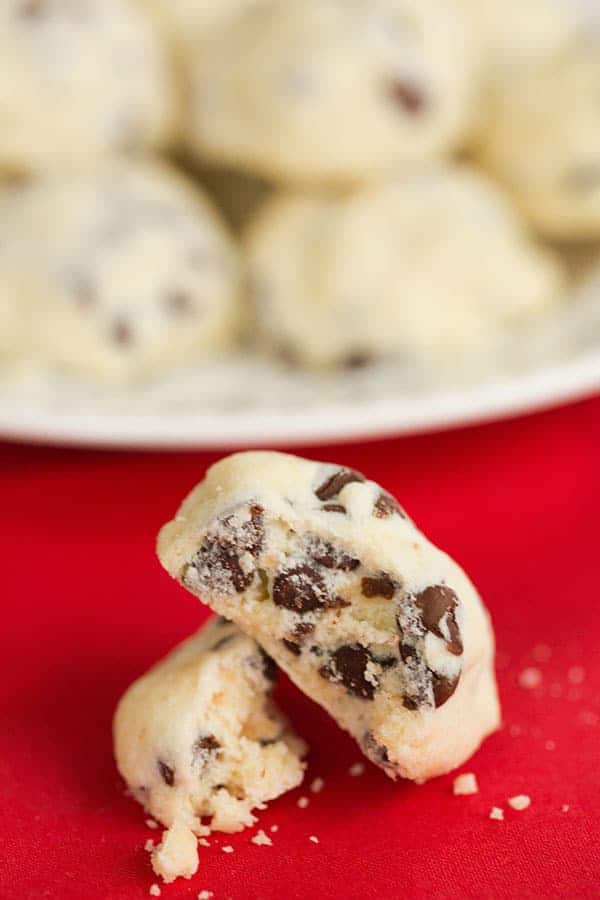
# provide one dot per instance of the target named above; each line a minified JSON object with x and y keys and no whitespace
{"x":86,"y":608}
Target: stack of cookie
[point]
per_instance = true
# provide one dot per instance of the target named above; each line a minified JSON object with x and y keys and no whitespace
{"x":323,"y":574}
{"x":395,"y":168}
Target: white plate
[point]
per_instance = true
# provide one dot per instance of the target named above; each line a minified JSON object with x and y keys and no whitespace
{"x":254,"y":402}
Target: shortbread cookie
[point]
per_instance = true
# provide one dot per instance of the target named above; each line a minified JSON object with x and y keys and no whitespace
{"x":543,"y":142}
{"x":331,"y":90}
{"x":521,"y":32}
{"x":368,"y":618}
{"x":429,"y":265}
{"x":131,"y":270}
{"x":199,"y":737}
{"x":79,"y":79}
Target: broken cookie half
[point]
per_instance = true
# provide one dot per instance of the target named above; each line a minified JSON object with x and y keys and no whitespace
{"x":201,"y":744}
{"x":326,"y":571}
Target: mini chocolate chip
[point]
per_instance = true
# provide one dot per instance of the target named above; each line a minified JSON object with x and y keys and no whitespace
{"x":316,"y":650}
{"x":179,"y":303}
{"x":334,"y":507}
{"x":378,"y":586}
{"x":204,"y":748}
{"x":296,"y":649}
{"x":301,"y":589}
{"x":121,"y":333}
{"x":222,"y":553}
{"x":349,"y":665}
{"x":166,"y":773}
{"x":332,"y":557}
{"x":376,"y":751}
{"x":386,"y":662}
{"x":407,"y":652}
{"x":386,"y":506}
{"x":357,"y":360}
{"x":410,"y":702}
{"x":435,"y":602}
{"x":221,"y":643}
{"x":303,"y":629}
{"x":334,"y":484}
{"x":269,"y":666}
{"x":407,"y":95}
{"x":443,"y":688}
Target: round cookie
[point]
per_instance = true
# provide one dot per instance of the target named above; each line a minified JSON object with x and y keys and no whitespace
{"x":519,"y":32}
{"x":543,"y":141}
{"x":79,"y":79}
{"x":198,"y":736}
{"x":330,"y":90}
{"x":130,"y":270}
{"x":325,"y":569}
{"x":430,"y":265}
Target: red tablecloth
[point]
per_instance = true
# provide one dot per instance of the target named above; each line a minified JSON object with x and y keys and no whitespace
{"x":86,"y":608}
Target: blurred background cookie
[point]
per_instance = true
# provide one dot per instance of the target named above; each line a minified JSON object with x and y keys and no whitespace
{"x":80,"y":79}
{"x":130,"y":268}
{"x":334,"y":91}
{"x":430,"y":264}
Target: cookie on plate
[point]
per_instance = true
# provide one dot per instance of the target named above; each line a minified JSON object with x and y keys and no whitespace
{"x":367,"y":617}
{"x":428,"y":265}
{"x":79,"y":79}
{"x":130,"y":269}
{"x":199,"y":737}
{"x":330,"y":90}
{"x":543,"y":141}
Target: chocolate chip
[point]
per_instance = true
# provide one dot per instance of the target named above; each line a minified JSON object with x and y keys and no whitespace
{"x":435,"y":602}
{"x":334,"y":508}
{"x":296,"y":649}
{"x":269,"y":666}
{"x":333,"y":485}
{"x":205,"y":748}
{"x":301,"y":589}
{"x":349,"y":665}
{"x":316,"y":650}
{"x":378,"y":586}
{"x":220,"y":553}
{"x":443,"y":688}
{"x":179,"y":303}
{"x":221,"y":643}
{"x":121,"y":333}
{"x":407,"y":95}
{"x":166,"y":773}
{"x":331,"y":557}
{"x":410,"y":702}
{"x":376,"y":751}
{"x":386,"y":506}
{"x":303,"y":629}
{"x":407,"y":652}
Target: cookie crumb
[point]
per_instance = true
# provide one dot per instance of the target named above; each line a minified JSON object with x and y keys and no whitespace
{"x":203,"y":842}
{"x":154,"y":890}
{"x":274,"y":828}
{"x":357,"y":769}
{"x":565,"y":807}
{"x":205,"y":895}
{"x":465,"y":784}
{"x":302,"y":802}
{"x":261,"y":839}
{"x":496,"y":813}
{"x":521,"y":801}
{"x":151,"y":823}
{"x":227,"y":848}
{"x":314,"y":839}
{"x":317,"y":785}
{"x":530,"y":678}
{"x":149,"y":845}
{"x":576,"y":675}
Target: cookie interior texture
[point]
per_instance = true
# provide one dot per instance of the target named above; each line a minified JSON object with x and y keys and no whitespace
{"x":201,"y":744}
{"x":327,"y":571}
